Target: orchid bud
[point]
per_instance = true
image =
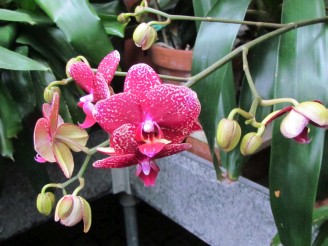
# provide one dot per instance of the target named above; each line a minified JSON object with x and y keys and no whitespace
{"x":139,"y":17}
{"x":45,"y":202}
{"x":123,"y":18}
{"x":49,"y":93}
{"x":71,"y":210}
{"x":228,"y":134}
{"x":250,"y":143}
{"x":75,"y":60}
{"x":144,"y":36}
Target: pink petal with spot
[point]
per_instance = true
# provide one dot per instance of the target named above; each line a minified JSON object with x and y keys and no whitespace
{"x":141,"y":78}
{"x":117,"y":110}
{"x":100,"y":88}
{"x":148,"y":178}
{"x":83,"y":75}
{"x":108,"y":66}
{"x":89,"y":119}
{"x":42,"y":141}
{"x":171,"y":149}
{"x":123,"y":140}
{"x":171,"y":106}
{"x":116,"y":161}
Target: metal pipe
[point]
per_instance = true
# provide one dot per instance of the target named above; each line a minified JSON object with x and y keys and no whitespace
{"x":128,"y":202}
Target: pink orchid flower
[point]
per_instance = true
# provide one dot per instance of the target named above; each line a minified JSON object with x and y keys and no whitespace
{"x":294,"y":125}
{"x":53,"y":138}
{"x":97,"y":85}
{"x":149,"y":120}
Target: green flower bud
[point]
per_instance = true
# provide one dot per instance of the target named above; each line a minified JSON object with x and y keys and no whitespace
{"x":123,"y":18}
{"x":139,"y":17}
{"x":144,"y":36}
{"x":45,"y":202}
{"x":49,"y":93}
{"x":250,"y":143}
{"x":228,"y":134}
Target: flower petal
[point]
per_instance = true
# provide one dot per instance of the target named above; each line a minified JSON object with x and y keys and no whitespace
{"x":178,"y":106}
{"x":150,"y":178}
{"x":171,"y":149}
{"x":75,"y":215}
{"x":86,"y":214}
{"x":141,"y":78}
{"x":117,"y":110}
{"x":73,"y":133}
{"x":151,"y":149}
{"x":123,"y":140}
{"x":100,"y":88}
{"x":116,"y":161}
{"x":293,"y":124}
{"x":53,"y":118}
{"x":42,"y":140}
{"x":82,"y":74}
{"x":88,"y":109}
{"x":314,"y":111}
{"x":64,"y":158}
{"x":303,"y":137}
{"x":108,"y":66}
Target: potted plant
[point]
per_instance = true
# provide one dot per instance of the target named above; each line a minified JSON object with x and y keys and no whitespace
{"x":284,"y":67}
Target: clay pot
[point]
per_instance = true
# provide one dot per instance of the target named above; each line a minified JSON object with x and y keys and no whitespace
{"x":171,"y":62}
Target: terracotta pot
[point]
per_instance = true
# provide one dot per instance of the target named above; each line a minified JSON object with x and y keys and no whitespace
{"x":171,"y":61}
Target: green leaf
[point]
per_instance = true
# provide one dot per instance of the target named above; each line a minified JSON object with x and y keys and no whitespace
{"x":31,"y":18}
{"x":7,"y":35}
{"x":6,"y":146}
{"x":9,"y":115}
{"x":201,"y":8}
{"x":294,"y":168}
{"x":21,"y":87}
{"x":210,"y":89}
{"x":15,"y":61}
{"x":82,"y":27}
{"x":321,"y":238}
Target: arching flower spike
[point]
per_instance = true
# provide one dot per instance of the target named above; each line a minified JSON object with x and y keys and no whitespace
{"x":53,"y":139}
{"x":97,"y":85}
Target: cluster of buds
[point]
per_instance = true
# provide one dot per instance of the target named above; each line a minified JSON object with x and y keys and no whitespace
{"x":70,"y":209}
{"x":294,"y":126}
{"x":229,"y":134}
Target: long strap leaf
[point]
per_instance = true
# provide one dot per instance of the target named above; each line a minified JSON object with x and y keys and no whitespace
{"x":294,"y":168}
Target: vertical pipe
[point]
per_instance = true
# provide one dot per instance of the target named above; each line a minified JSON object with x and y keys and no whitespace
{"x":128,"y":202}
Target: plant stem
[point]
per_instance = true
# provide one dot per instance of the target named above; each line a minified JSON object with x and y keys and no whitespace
{"x":287,"y":27}
{"x":181,"y":79}
{"x":211,"y":19}
{"x":248,"y":73}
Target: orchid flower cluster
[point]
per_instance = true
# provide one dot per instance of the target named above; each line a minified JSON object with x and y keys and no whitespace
{"x":147,"y":121}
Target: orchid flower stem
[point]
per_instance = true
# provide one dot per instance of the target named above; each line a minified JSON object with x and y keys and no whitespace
{"x":210,"y":19}
{"x":60,"y":82}
{"x":181,"y":79}
{"x":243,"y":113}
{"x":79,"y":175}
{"x":162,"y":23}
{"x":285,"y":28}
{"x":278,"y":100}
{"x":248,"y":74}
{"x":80,"y":187}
